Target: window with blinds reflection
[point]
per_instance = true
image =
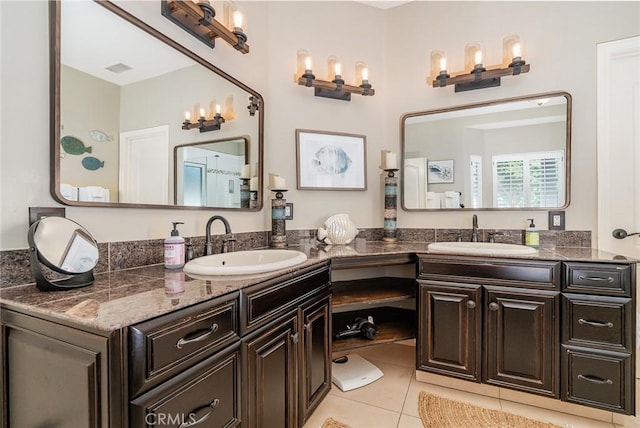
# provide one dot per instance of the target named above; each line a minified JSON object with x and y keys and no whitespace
{"x":533,"y":179}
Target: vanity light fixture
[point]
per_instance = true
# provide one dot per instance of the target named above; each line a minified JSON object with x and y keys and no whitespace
{"x":334,"y":88}
{"x":478,"y":76}
{"x":254,"y":105}
{"x":198,"y":19}
{"x":203,"y":124}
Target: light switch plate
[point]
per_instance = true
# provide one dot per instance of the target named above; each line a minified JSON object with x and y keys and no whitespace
{"x":36,"y":213}
{"x":556,"y":220}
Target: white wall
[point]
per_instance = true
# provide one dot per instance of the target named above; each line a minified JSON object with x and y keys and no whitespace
{"x":560,"y":44}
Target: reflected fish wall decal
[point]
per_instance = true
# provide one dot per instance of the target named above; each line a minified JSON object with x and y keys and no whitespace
{"x":92,"y":163}
{"x":74,"y":146}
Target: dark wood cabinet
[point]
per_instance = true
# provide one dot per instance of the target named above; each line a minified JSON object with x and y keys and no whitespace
{"x":480,"y":321}
{"x":206,"y":395}
{"x":271,"y":375}
{"x":450,"y":322}
{"x":315,"y":361}
{"x":522,"y":339}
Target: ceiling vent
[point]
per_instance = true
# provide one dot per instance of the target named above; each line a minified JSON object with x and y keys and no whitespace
{"x":119,"y":68}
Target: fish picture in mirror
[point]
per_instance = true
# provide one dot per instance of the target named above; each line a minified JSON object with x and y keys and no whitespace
{"x":92,"y":163}
{"x":99,"y":136}
{"x":74,"y":146}
{"x":331,"y":160}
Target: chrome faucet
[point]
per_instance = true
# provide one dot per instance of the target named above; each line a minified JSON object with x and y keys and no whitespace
{"x":474,"y":233}
{"x":227,"y":241}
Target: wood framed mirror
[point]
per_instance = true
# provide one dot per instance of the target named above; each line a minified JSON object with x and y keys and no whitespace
{"x":509,"y":154}
{"x":119,"y":93}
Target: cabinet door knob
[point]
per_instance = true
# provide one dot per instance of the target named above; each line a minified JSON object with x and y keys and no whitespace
{"x":295,"y":337}
{"x":471,"y":304}
{"x":493,"y":306}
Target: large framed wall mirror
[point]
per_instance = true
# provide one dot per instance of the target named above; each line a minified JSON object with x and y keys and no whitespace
{"x":510,"y":154}
{"x":121,"y":91}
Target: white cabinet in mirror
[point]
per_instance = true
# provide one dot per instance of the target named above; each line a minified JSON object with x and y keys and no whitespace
{"x":115,"y":75}
{"x":502,"y":154}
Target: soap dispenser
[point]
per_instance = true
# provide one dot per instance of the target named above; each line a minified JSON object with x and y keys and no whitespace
{"x":531,"y":235}
{"x":174,"y":249}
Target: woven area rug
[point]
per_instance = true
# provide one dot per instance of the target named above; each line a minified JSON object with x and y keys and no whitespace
{"x":439,"y":412}
{"x":332,"y":423}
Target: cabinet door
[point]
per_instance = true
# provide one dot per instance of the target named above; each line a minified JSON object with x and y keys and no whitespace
{"x":315,"y":367}
{"x":522,"y":337}
{"x":449,"y":329}
{"x":272,"y":375}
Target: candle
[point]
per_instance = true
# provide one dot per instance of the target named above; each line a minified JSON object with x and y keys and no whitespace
{"x":246,"y":171}
{"x":253,"y":184}
{"x":276,"y":182}
{"x":389,"y":160}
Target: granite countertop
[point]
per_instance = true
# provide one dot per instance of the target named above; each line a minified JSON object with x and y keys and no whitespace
{"x":122,"y":298}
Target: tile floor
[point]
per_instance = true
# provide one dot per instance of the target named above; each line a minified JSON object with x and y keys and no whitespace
{"x":391,"y":402}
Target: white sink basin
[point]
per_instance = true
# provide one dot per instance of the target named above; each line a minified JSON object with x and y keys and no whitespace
{"x":480,"y":248}
{"x":244,"y":262}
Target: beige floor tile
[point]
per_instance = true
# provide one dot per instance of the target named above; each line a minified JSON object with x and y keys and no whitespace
{"x":553,"y":404}
{"x":407,"y":421}
{"x":352,"y":413}
{"x":570,"y":421}
{"x":455,"y":383}
{"x":626,"y":421}
{"x":393,"y":353}
{"x":411,"y":403}
{"x":388,"y":392}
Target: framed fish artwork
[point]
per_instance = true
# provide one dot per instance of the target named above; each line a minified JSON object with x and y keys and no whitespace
{"x":330,"y":161}
{"x":440,"y":171}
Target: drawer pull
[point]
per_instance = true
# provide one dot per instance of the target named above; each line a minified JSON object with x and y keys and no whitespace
{"x":208,"y":332}
{"x":471,"y":304}
{"x":595,"y":379}
{"x":213,"y":405}
{"x":595,"y":323}
{"x":595,"y":278}
{"x":493,"y":306}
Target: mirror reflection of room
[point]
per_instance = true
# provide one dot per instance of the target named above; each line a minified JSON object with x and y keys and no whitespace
{"x":502,"y":155}
{"x":122,"y":114}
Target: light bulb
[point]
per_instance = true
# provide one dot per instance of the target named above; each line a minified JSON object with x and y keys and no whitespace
{"x":307,"y":63}
{"x":365,"y":74}
{"x":201,"y":112}
{"x":338,"y":69}
{"x":443,"y":64}
{"x":217,"y":108}
{"x":478,"y":57}
{"x":237,"y":19}
{"x":187,"y":116}
{"x":517,"y":50}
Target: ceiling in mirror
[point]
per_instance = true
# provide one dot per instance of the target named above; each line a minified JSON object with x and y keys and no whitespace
{"x":122,"y":92}
{"x":504,"y":154}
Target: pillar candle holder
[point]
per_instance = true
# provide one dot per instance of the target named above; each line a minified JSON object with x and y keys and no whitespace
{"x":390,"y":206}
{"x":278,"y":222}
{"x":253,"y":199}
{"x":245,"y":196}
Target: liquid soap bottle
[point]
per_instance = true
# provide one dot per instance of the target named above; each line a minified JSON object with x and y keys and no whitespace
{"x":531,"y":235}
{"x":174,"y":249}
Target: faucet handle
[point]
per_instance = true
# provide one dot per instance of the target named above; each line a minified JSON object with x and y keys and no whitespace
{"x":492,"y":236}
{"x":228,"y":244}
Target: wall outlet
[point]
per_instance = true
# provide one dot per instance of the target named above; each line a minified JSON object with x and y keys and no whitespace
{"x":36,"y":213}
{"x":556,"y":220}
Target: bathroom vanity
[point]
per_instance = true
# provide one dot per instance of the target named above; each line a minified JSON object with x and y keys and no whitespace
{"x":239,"y":352}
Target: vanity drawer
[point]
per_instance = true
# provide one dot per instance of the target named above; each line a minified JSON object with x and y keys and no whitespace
{"x":510,"y":272}
{"x":161,"y":347}
{"x":264,"y":302}
{"x":209,"y":393}
{"x":591,"y":278}
{"x":598,"y":321}
{"x":598,"y":379}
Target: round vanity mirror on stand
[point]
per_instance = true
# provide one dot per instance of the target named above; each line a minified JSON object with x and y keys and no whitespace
{"x":65,"y":247}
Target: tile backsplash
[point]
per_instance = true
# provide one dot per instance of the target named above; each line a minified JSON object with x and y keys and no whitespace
{"x":15,"y":265}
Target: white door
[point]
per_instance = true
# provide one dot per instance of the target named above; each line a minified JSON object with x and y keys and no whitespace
{"x":144,"y":166}
{"x":619,"y":150}
{"x":415,"y":183}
